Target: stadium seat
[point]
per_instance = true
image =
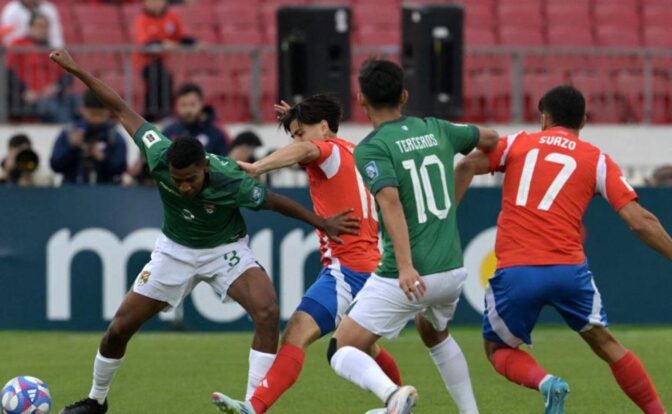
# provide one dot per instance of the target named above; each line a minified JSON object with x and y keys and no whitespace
{"x":488,"y":96}
{"x":103,"y":35}
{"x":618,"y":36}
{"x":520,"y":36}
{"x":564,"y":35}
{"x":535,"y":86}
{"x":658,"y":36}
{"x":477,"y":16}
{"x":479,"y":37}
{"x":197,"y":15}
{"x":629,"y":96}
{"x":617,"y":14}
{"x":561,"y":14}
{"x":656,"y":15}
{"x":241,"y":14}
{"x":596,"y":87}
{"x":100,"y":15}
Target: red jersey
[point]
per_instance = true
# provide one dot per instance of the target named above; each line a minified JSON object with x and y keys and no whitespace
{"x":335,"y":185}
{"x":34,"y":69}
{"x":151,"y":28}
{"x":551,"y":176}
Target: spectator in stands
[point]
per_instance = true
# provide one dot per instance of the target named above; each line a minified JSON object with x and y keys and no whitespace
{"x":17,"y":15}
{"x":197,"y":120}
{"x":36,"y":87}
{"x":92,"y":150}
{"x":244,"y":145}
{"x":158,"y":29}
{"x":662,"y":177}
{"x":21,"y":162}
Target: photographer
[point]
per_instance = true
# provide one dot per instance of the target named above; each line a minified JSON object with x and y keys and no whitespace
{"x":92,"y":151}
{"x":21,"y":162}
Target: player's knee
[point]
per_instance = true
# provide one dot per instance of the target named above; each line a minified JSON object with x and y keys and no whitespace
{"x":267,"y":314}
{"x":117,"y":335}
{"x":331,"y":350}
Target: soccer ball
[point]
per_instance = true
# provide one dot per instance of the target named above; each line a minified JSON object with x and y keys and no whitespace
{"x":26,"y":395}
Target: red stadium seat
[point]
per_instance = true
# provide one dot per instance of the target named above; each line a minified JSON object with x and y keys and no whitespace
{"x":488,"y":96}
{"x":618,"y":36}
{"x":564,"y":14}
{"x":661,"y":111}
{"x":658,"y":36}
{"x":596,"y":88}
{"x":241,"y":14}
{"x":477,"y":16}
{"x":100,"y":62}
{"x":480,"y":37}
{"x":97,"y":15}
{"x":656,"y":15}
{"x":535,"y":85}
{"x":520,"y":36}
{"x":103,"y":35}
{"x":563,"y":35}
{"x":196,"y":15}
{"x":629,"y":94}
{"x":617,"y":14}
{"x":239,"y":36}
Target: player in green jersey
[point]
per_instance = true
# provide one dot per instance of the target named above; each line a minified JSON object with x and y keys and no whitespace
{"x":407,"y":163}
{"x":204,"y":239}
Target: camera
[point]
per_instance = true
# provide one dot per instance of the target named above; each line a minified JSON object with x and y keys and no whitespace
{"x":25,"y":162}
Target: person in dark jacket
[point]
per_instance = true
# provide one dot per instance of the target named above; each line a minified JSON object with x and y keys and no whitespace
{"x":92,"y":151}
{"x":196,"y":120}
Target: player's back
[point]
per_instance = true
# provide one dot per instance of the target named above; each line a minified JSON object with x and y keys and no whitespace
{"x":335,"y":186}
{"x":416,"y":156}
{"x":551,"y":177}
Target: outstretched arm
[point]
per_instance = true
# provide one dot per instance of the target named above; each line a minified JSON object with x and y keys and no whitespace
{"x":342,"y":223}
{"x":130,"y":119}
{"x":296,"y":152}
{"x":476,"y":163}
{"x":487,"y":139}
{"x":647,"y":227}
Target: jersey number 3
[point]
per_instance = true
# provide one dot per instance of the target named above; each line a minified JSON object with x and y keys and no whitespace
{"x":423,"y":189}
{"x":568,"y":166}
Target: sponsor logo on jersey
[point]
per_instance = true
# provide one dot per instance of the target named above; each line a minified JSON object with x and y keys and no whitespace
{"x":209,"y":208}
{"x":188,"y":215}
{"x":371,"y":170}
{"x":143,"y":277}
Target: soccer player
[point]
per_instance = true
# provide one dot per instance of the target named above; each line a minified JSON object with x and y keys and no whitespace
{"x":204,"y":240}
{"x":335,"y":185}
{"x":407,"y":164}
{"x":550,"y":178}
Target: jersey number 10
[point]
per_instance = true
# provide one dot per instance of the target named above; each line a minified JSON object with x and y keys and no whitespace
{"x":423,"y":190}
{"x":568,"y":167}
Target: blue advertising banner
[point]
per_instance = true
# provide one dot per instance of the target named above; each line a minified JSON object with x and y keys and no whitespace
{"x":68,"y":256}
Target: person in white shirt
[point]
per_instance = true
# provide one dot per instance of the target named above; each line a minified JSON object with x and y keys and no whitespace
{"x":16,"y":15}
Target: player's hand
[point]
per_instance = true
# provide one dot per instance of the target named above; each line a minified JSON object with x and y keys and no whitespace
{"x":63,"y":59}
{"x":412,"y":284}
{"x":281,"y":108}
{"x":250,"y":168}
{"x":341,"y":223}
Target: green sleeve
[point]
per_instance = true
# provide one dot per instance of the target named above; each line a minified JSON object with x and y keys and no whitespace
{"x":375,"y":166}
{"x":251,"y":194}
{"x":152,"y":144}
{"x":464,"y":138}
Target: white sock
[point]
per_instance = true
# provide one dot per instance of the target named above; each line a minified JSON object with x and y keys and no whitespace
{"x":260,"y":363}
{"x":103,"y":373}
{"x":452,"y":365}
{"x":360,"y":369}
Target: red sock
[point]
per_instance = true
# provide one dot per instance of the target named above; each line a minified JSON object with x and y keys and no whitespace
{"x":635,"y":382}
{"x":389,"y":366}
{"x":519,"y":367}
{"x":283,"y":374}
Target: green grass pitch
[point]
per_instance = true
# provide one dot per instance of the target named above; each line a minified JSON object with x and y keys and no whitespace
{"x":175,"y":373}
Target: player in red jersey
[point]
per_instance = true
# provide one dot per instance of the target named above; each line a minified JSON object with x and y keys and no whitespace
{"x":335,"y":185}
{"x":550,"y":178}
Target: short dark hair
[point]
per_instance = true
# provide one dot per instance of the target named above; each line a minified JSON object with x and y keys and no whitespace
{"x":247,"y":137}
{"x":313,"y":110}
{"x":18,"y":140}
{"x":189,"y":87}
{"x":91,"y":101}
{"x":565,"y":105}
{"x":382,"y":82}
{"x":185,"y":151}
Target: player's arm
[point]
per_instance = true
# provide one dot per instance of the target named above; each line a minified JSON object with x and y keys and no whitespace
{"x":487,"y":139}
{"x":341,"y":223}
{"x":130,"y":119}
{"x":476,"y":163}
{"x":296,"y":152}
{"x":647,"y":227}
{"x":395,"y":224}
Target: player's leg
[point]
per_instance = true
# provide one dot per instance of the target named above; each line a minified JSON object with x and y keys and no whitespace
{"x":380,"y":309}
{"x":432,"y":324}
{"x":513,"y":300}
{"x":254,"y":291}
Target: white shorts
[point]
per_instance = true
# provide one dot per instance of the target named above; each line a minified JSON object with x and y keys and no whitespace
{"x":382,"y":308}
{"x":175,"y":270}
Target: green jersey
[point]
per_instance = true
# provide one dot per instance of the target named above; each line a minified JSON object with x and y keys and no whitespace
{"x":416,"y":156}
{"x":213,"y":217}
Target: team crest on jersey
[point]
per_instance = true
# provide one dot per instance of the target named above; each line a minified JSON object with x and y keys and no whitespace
{"x":150,"y":139}
{"x":256,"y":194}
{"x":209,"y":208}
{"x":188,"y":215}
{"x":371,"y":170}
{"x":143,"y":277}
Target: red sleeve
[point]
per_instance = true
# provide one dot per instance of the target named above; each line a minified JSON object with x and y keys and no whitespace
{"x":612,"y":185}
{"x":141,"y":34}
{"x":325,"y":148}
{"x":495,"y":156}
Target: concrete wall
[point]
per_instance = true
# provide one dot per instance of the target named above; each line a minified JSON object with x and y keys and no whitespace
{"x":637,"y":148}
